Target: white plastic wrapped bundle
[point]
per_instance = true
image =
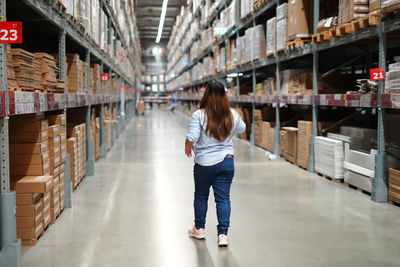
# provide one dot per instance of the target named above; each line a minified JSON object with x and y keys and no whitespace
{"x":281,"y":34}
{"x":271,"y":33}
{"x":329,"y":157}
{"x":246,"y":7}
{"x":282,"y":11}
{"x":258,"y":46}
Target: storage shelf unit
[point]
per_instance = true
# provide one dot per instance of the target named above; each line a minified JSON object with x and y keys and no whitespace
{"x":62,"y":36}
{"x":376,"y":39}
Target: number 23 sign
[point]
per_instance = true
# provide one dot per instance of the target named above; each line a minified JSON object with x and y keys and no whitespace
{"x":11,"y":32}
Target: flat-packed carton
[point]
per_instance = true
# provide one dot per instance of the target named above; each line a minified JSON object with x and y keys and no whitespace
{"x":291,"y":144}
{"x":300,"y":19}
{"x":30,"y":148}
{"x":47,"y":218}
{"x":54,"y":141}
{"x":54,"y":130}
{"x":29,"y":137}
{"x":30,"y":222}
{"x":29,"y":210}
{"x":30,"y":233}
{"x":57,"y":119}
{"x":29,"y":158}
{"x":47,"y":198}
{"x":27,"y":198}
{"x":34,"y":184}
{"x":63,"y":138}
{"x":25,"y":127}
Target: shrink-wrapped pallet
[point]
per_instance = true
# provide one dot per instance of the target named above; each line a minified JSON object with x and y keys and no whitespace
{"x":281,"y":34}
{"x":258,"y":45}
{"x":271,"y":34}
{"x":329,"y":157}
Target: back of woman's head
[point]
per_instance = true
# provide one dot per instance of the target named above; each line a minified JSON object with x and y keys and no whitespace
{"x":218,"y":112}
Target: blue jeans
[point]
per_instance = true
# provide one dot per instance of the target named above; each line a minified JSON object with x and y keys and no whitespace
{"x":220,"y":177}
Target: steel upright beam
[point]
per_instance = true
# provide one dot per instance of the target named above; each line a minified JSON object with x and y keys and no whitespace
{"x":10,"y":246}
{"x":379,"y":190}
{"x":63,"y":76}
{"x":103,"y":147}
{"x":277,"y":108}
{"x":254,"y":85}
{"x":89,"y":141}
{"x":311,"y":158}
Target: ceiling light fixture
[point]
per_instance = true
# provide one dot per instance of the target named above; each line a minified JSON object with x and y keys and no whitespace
{"x":162,"y":18}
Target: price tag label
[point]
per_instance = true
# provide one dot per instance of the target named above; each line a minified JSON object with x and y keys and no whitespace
{"x":124,"y":54}
{"x":377,"y":74}
{"x":105,"y":77}
{"x":11,"y":32}
{"x":122,"y":88}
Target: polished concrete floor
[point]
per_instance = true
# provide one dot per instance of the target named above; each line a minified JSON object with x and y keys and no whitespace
{"x":136,"y":209}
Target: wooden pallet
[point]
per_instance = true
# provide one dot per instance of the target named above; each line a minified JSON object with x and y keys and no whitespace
{"x":259,"y":4}
{"x":394,"y":203}
{"x":338,"y":181}
{"x":344,"y":29}
{"x":60,"y":5}
{"x":391,"y":9}
{"x":356,"y":188}
{"x":297,"y":42}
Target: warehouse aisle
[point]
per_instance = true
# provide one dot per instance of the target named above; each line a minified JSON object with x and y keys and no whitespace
{"x":137,"y":208}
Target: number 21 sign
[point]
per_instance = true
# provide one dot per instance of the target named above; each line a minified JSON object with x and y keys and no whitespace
{"x":11,"y":32}
{"x":377,"y":74}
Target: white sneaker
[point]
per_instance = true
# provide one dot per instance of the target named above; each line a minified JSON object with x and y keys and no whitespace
{"x":223,"y":240}
{"x":197,"y":233}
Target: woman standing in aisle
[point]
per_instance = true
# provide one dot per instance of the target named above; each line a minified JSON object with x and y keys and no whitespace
{"x":210,"y":136}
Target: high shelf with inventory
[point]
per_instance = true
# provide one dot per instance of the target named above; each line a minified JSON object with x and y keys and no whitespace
{"x":55,"y":74}
{"x":314,"y":68}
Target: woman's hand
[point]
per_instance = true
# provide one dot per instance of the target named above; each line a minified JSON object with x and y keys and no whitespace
{"x":188,"y":148}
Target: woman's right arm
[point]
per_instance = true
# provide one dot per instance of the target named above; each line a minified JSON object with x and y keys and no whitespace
{"x":241,"y":126}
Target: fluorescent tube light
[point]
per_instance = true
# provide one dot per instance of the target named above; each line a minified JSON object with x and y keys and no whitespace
{"x":162,"y":19}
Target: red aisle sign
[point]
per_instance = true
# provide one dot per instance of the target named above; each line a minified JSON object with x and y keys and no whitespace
{"x":11,"y":32}
{"x":105,"y":77}
{"x":377,"y":74}
{"x":122,"y":87}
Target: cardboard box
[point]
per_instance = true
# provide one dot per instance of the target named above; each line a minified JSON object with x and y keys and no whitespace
{"x":47,"y":208}
{"x":63,"y":148}
{"x":55,"y":141}
{"x":25,"y":127}
{"x":304,"y":141}
{"x":63,"y":138}
{"x":282,"y":142}
{"x":29,"y":210}
{"x":55,"y":171}
{"x":63,"y":158}
{"x":30,"y":233}
{"x":300,"y":19}
{"x":29,"y":148}
{"x":30,"y":222}
{"x":291,"y":144}
{"x":57,"y":119}
{"x":29,"y":158}
{"x":34,"y":184}
{"x":47,"y":219}
{"x":374,"y":5}
{"x":47,"y":198}
{"x":54,"y":130}
{"x":27,"y":198}
{"x":271,"y":139}
{"x":32,"y":137}
{"x":56,"y":181}
{"x":62,"y":167}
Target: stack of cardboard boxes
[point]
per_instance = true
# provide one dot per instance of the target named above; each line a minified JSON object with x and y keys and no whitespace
{"x":352,"y":10}
{"x":58,"y":158}
{"x":290,"y":152}
{"x":394,"y":185}
{"x":303,"y":144}
{"x":29,"y":149}
{"x":258,"y":133}
{"x":77,"y":149}
{"x":33,"y":207}
{"x":74,"y":74}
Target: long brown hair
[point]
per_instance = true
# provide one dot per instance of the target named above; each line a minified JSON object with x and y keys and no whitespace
{"x":218,"y":111}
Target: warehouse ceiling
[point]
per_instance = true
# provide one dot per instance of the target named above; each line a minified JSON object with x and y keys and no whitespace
{"x":148,"y":18}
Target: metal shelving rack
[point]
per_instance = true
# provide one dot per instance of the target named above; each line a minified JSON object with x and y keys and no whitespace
{"x":15,"y":103}
{"x":309,"y":52}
